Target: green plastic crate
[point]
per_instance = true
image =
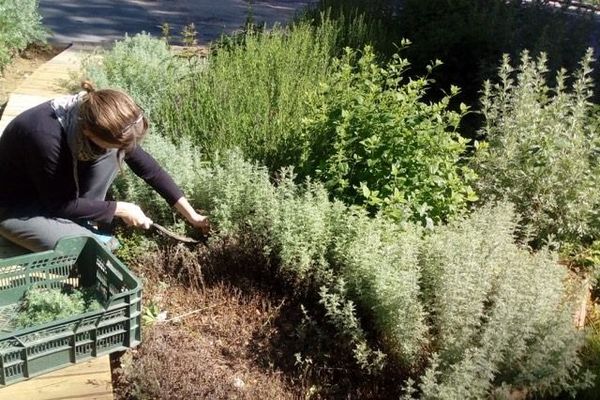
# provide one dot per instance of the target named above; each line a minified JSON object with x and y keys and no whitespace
{"x":78,"y":262}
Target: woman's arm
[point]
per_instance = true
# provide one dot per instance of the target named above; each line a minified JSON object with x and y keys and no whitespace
{"x":147,"y":168}
{"x":200,"y":222}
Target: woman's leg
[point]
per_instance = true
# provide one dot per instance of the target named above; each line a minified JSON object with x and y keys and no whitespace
{"x":37,"y":233}
{"x":95,"y":177}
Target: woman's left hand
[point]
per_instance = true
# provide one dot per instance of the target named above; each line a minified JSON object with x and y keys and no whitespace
{"x":200,"y":222}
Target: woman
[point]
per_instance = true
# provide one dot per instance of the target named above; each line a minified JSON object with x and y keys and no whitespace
{"x":58,"y":159}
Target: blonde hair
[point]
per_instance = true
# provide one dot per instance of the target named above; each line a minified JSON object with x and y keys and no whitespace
{"x":112,"y":116}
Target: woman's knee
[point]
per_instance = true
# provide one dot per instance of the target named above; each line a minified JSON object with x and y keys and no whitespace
{"x":39,"y":233}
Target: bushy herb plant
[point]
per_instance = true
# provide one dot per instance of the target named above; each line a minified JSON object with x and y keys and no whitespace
{"x":378,"y":261}
{"x":541,"y":151}
{"x":20,"y":25}
{"x":141,"y":65}
{"x":373,"y":139}
{"x":41,"y":305}
{"x":181,"y":162}
{"x":500,"y":315}
{"x":250,"y":94}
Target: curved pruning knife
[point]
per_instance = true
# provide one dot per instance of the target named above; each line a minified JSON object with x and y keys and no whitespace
{"x":170,"y":234}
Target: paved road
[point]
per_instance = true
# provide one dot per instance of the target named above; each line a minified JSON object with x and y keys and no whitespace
{"x":104,"y":21}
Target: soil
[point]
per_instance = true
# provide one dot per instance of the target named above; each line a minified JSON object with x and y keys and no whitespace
{"x":21,"y":67}
{"x":232,"y":332}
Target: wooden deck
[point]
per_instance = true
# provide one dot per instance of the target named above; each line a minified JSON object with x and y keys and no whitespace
{"x":46,"y":82}
{"x":91,"y":379}
{"x":88,"y":380}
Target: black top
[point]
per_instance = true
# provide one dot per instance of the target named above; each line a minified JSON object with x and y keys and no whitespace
{"x":36,"y":170}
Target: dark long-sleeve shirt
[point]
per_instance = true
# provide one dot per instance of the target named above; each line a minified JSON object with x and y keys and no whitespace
{"x":36,"y":170}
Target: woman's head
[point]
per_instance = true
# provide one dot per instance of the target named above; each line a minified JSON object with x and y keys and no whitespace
{"x":111,"y":119}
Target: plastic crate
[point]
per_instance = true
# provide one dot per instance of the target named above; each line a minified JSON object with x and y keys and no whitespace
{"x":78,"y":262}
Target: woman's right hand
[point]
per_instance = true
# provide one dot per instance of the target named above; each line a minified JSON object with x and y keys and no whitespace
{"x":132,"y":214}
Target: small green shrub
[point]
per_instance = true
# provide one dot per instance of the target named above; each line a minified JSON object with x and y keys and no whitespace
{"x":542,"y":151}
{"x":20,"y":25}
{"x":302,"y":230}
{"x":238,"y":195}
{"x":181,"y":162}
{"x":378,"y":260}
{"x":373,"y":139}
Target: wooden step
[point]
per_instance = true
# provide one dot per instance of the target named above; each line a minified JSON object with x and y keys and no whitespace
{"x":7,"y":249}
{"x":88,"y":380}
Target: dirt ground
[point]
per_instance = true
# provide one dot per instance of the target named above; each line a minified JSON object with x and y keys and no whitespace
{"x":223,"y":328}
{"x":21,"y":67}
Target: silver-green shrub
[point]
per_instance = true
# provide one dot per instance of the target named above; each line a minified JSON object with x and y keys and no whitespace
{"x":378,"y":259}
{"x":238,"y":194}
{"x":141,"y":65}
{"x":541,"y":149}
{"x":500,"y":316}
{"x":20,"y":25}
{"x":302,"y":229}
{"x":182,"y":162}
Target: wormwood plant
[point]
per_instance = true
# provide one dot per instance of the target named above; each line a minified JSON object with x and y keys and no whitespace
{"x":141,"y":65}
{"x":542,"y":150}
{"x":181,"y":162}
{"x":378,"y":261}
{"x":499,"y":315}
{"x":373,"y":139}
{"x":20,"y":25}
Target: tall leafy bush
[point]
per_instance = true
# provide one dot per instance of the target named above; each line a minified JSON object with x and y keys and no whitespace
{"x":20,"y":25}
{"x":542,"y":149}
{"x":373,"y":139}
{"x":250,"y":95}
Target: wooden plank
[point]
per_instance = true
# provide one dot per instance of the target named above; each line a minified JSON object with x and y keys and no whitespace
{"x":88,"y":380}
